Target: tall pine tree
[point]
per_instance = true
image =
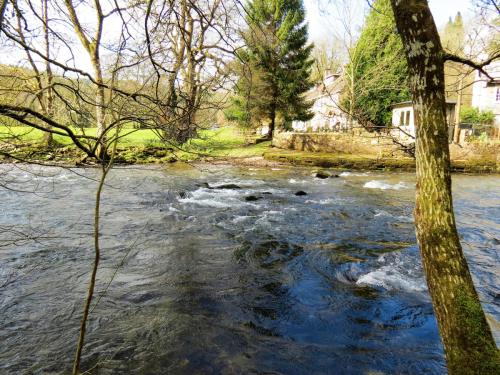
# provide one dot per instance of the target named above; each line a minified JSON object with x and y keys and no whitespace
{"x":276,"y":65}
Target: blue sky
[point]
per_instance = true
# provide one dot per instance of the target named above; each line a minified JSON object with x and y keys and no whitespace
{"x":321,"y":25}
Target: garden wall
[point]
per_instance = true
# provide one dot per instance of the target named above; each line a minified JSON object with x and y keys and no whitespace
{"x":362,"y":143}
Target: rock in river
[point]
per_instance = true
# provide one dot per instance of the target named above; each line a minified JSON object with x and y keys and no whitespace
{"x":252,"y":198}
{"x":322,"y":174}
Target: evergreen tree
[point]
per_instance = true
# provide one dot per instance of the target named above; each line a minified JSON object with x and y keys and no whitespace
{"x":248,"y":105}
{"x":275,"y":66}
{"x":453,"y":35}
{"x":458,"y":78}
{"x":379,"y":68}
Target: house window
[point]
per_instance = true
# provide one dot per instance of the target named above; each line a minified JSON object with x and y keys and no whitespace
{"x":404,"y":118}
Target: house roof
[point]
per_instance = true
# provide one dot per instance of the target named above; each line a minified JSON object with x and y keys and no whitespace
{"x":410,"y":103}
{"x":324,"y":89}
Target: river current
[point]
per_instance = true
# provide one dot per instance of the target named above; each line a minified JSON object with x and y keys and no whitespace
{"x":225,"y":270}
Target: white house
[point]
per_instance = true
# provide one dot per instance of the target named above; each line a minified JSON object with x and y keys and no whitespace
{"x":486,"y":93}
{"x":327,"y":114}
{"x":403,"y":120}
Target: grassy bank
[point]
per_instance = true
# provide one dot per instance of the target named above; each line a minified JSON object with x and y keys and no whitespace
{"x":135,"y":146}
{"x":131,"y":137}
{"x":139,"y":146}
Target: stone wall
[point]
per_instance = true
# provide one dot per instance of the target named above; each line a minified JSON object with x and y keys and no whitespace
{"x":362,"y":143}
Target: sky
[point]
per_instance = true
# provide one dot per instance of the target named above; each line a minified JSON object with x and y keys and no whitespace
{"x":321,"y":12}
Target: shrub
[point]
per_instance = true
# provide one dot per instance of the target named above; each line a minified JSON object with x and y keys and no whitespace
{"x":473,"y":115}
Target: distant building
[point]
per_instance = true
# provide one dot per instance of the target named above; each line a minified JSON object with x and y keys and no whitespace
{"x":327,"y":113}
{"x":486,"y":92}
{"x":403,"y":120}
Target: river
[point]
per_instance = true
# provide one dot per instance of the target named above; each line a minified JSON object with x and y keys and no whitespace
{"x":212,"y":279}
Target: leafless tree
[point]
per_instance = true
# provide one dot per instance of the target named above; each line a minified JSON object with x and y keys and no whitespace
{"x":164,"y":70}
{"x":188,"y":47}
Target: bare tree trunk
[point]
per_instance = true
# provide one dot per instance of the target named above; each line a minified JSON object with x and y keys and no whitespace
{"x":272,"y":124}
{"x":97,"y":257}
{"x":352,"y":94}
{"x":92,"y":46}
{"x":49,"y":102}
{"x":3,"y":5}
{"x":466,"y":336}
{"x":100,"y":107}
{"x":456,"y":130}
{"x":91,"y":287}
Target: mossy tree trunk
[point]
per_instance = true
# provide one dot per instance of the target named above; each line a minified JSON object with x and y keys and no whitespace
{"x":466,"y":335}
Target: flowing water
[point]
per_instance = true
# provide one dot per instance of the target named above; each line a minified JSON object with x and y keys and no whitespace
{"x":211,"y":280}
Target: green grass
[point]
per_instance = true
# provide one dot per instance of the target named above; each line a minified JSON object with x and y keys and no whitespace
{"x":136,"y":145}
{"x":143,"y":146}
{"x":225,"y":142}
{"x":130,"y":136}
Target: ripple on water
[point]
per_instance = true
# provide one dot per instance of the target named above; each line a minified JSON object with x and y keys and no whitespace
{"x":215,"y":283}
{"x":377,"y":184}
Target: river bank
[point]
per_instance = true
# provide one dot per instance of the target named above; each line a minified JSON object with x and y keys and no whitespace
{"x":228,"y":146}
{"x":349,"y":161}
{"x":69,"y":157}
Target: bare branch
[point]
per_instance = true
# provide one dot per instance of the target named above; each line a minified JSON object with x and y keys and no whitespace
{"x":478,"y":66}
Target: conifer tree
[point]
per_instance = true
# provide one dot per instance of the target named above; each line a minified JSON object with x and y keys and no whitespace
{"x":277,"y":61}
{"x":458,"y":78}
{"x":379,"y":69}
{"x":453,"y":36}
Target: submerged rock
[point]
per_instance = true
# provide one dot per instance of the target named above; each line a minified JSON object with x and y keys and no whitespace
{"x":226,"y":186}
{"x":252,"y":198}
{"x":322,"y":174}
{"x":204,"y":185}
{"x":300,"y":193}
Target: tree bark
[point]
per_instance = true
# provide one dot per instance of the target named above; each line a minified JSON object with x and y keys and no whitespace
{"x":100,"y":105}
{"x":456,"y":130}
{"x":272,"y":124}
{"x":3,"y":6}
{"x":49,"y":77}
{"x":466,"y":335}
{"x":92,"y":46}
{"x":91,"y":287}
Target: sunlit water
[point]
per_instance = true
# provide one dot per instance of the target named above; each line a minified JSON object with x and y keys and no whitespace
{"x":206,"y":282}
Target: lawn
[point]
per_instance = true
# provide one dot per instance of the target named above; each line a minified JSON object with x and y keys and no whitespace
{"x":226,"y":142}
{"x":222,"y":142}
{"x":130,"y":136}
